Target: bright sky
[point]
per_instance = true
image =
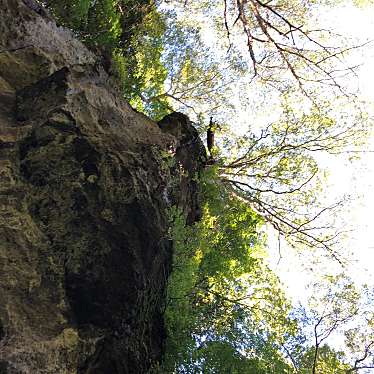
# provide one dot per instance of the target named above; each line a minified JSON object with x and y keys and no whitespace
{"x":355,"y":178}
{"x":361,"y":22}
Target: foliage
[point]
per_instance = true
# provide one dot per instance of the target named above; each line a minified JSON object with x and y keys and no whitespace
{"x":227,"y":312}
{"x":291,"y":62}
{"x":96,"y":23}
{"x":329,"y":361}
{"x":277,"y":172}
{"x":266,"y":55}
{"x":146,"y":73}
{"x":225,"y":305}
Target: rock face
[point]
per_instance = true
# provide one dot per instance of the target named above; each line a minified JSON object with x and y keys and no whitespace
{"x":86,"y":184}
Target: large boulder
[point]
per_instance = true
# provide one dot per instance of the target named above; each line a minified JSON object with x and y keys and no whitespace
{"x":86,"y":187}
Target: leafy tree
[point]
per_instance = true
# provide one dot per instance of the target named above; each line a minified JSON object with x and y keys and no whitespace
{"x":360,"y":340}
{"x":272,"y":170}
{"x":226,"y":311}
{"x":336,"y":308}
{"x":329,"y":361}
{"x":96,"y":22}
{"x":288,"y":58}
{"x":277,"y":173}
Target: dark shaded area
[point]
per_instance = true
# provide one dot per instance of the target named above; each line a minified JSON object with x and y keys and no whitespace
{"x":2,"y":331}
{"x":3,"y":367}
{"x":190,"y":154}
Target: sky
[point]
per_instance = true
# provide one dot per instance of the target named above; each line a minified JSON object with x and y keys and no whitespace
{"x":355,"y":178}
{"x":362,"y":173}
